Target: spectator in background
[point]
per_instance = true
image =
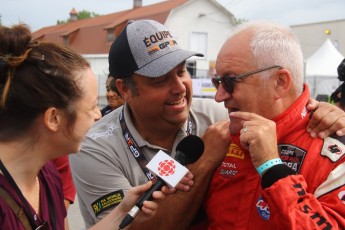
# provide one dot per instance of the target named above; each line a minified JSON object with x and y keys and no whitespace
{"x":338,"y":96}
{"x":113,"y":96}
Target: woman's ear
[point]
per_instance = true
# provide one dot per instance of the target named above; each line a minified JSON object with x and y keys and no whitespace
{"x":283,"y":80}
{"x":53,"y":119}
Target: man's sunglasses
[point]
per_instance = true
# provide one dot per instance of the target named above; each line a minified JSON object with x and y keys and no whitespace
{"x":228,"y":82}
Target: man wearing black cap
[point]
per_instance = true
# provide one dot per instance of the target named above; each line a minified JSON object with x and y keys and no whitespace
{"x":150,"y":68}
{"x":338,"y":96}
{"x":151,"y":76}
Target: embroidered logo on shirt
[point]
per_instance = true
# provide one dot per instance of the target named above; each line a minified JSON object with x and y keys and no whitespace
{"x":235,"y":151}
{"x":292,"y":156}
{"x":107,"y":202}
{"x":263,"y":209}
{"x":333,"y":148}
{"x":106,"y":133}
{"x":304,"y":113}
{"x":228,"y":169}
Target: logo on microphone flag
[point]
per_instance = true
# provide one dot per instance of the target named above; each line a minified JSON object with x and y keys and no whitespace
{"x":168,"y":169}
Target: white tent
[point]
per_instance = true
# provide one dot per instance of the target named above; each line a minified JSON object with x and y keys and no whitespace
{"x":321,"y":69}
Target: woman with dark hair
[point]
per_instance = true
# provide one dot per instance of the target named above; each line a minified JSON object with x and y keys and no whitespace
{"x":49,"y":100}
{"x":113,"y":96}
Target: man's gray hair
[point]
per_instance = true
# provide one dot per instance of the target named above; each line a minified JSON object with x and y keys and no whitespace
{"x":275,"y":44}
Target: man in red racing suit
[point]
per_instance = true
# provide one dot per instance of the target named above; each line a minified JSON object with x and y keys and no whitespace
{"x":313,"y":196}
{"x":274,"y":175}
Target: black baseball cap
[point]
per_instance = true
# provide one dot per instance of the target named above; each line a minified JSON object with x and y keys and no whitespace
{"x":146,"y":47}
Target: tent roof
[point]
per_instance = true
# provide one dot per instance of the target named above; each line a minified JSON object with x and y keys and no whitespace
{"x":325,"y":61}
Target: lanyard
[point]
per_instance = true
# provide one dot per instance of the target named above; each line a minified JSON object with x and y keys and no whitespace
{"x":134,"y":148}
{"x":25,"y":202}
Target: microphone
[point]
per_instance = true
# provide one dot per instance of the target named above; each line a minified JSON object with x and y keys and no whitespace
{"x":188,"y":150}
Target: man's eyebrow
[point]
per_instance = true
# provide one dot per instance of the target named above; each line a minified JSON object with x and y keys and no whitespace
{"x":153,"y":79}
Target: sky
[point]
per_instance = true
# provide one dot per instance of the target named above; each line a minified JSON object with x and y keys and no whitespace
{"x":42,"y":13}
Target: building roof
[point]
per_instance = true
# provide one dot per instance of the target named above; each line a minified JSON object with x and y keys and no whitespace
{"x":98,"y":29}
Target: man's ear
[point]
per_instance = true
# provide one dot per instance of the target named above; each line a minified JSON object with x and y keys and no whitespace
{"x":283,"y":81}
{"x":122,"y":88}
{"x":53,"y":119}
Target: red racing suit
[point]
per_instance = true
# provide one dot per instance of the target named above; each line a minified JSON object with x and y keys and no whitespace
{"x":313,"y":197}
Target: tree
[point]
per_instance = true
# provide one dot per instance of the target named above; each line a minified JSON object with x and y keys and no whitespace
{"x":239,"y":21}
{"x":81,"y":15}
{"x":86,"y":14}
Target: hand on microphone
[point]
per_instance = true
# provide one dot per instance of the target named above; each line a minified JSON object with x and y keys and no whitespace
{"x":184,"y":185}
{"x":149,"y":206}
{"x":187,"y":151}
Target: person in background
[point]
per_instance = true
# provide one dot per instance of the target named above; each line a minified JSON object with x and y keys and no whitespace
{"x":49,"y":100}
{"x":336,"y":96}
{"x":275,"y":175}
{"x":159,"y":111}
{"x":113,"y":97}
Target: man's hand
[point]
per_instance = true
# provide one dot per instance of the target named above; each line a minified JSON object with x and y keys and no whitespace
{"x":326,"y":119}
{"x":258,"y":135}
{"x":217,"y":142}
{"x":184,"y":185}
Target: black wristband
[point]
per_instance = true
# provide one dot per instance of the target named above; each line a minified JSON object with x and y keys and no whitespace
{"x":275,"y":173}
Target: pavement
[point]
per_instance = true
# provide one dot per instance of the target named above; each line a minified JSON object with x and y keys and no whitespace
{"x":75,"y":220}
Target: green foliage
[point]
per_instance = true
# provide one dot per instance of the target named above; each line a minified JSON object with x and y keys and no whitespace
{"x":81,"y":15}
{"x":59,"y":22}
{"x":86,"y":14}
{"x":239,"y":21}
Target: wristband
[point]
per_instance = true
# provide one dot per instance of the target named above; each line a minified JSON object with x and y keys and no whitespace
{"x":268,"y":164}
